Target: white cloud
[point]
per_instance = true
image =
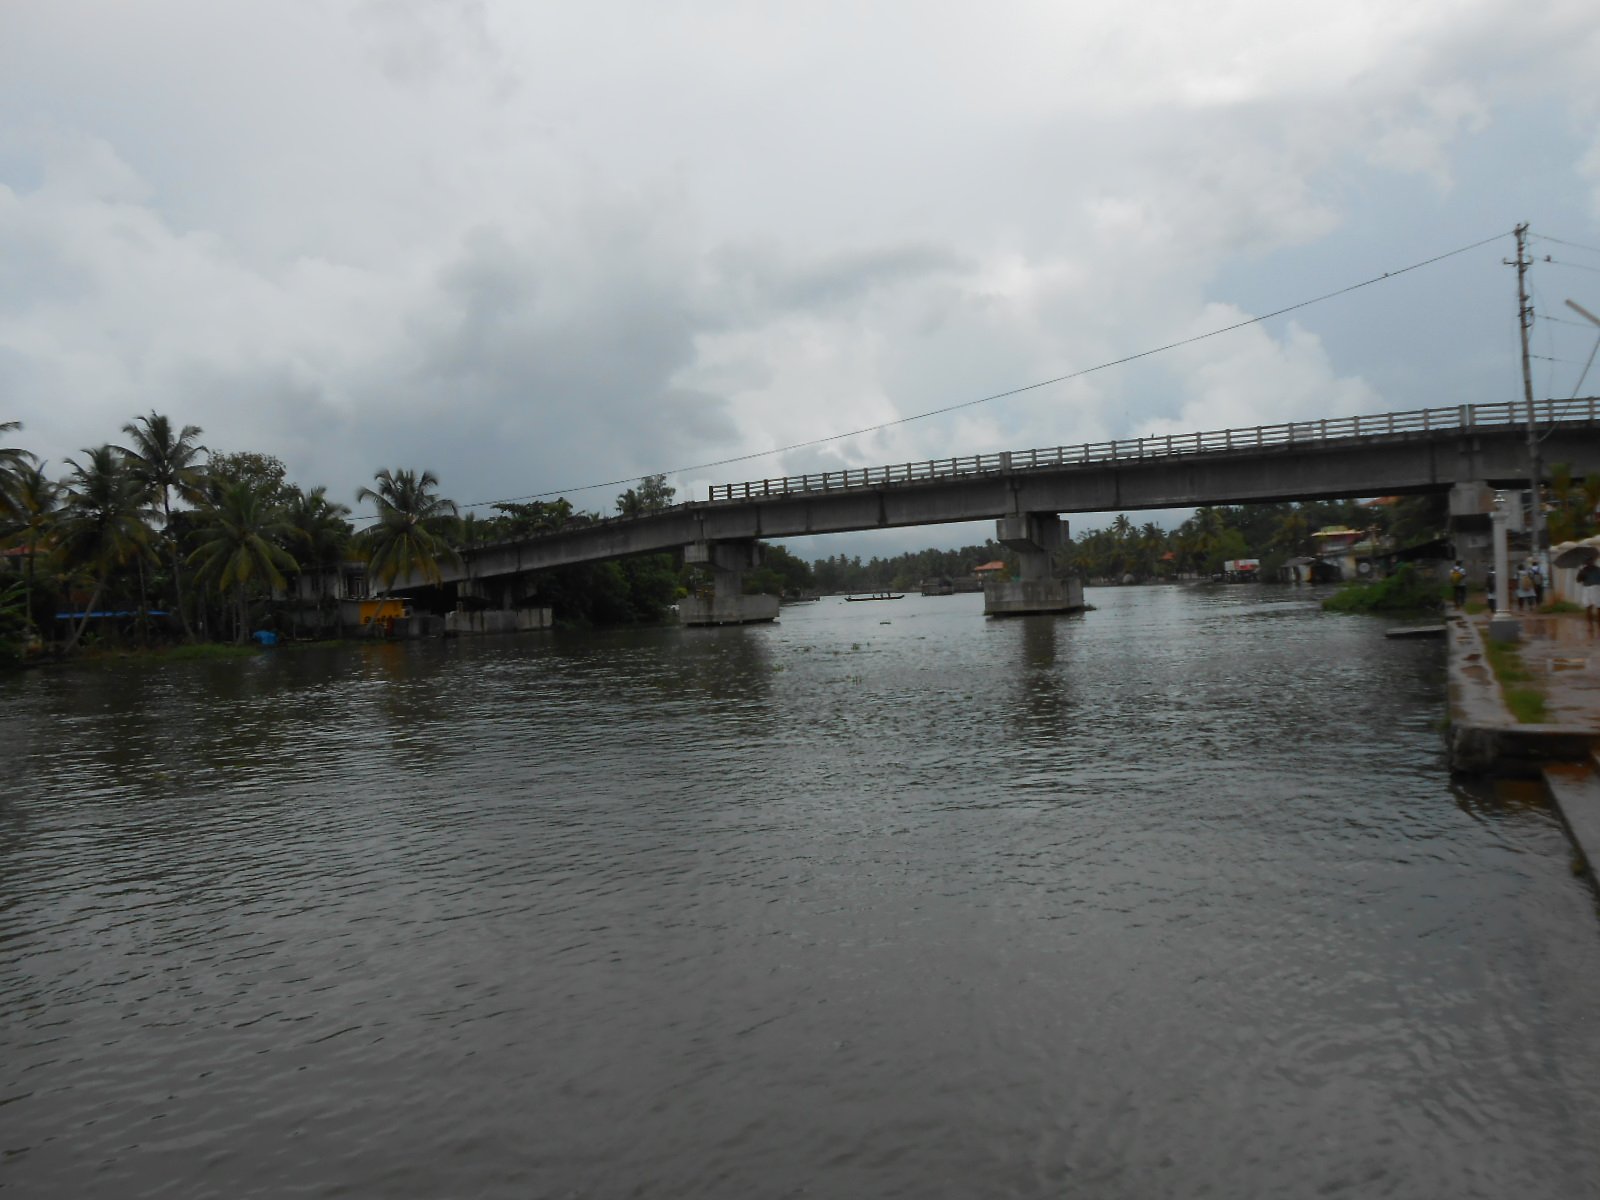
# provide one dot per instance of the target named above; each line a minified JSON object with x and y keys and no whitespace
{"x":1255,"y":379}
{"x":531,"y":246}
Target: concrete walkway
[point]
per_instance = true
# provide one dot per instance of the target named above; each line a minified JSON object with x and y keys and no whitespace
{"x":1562,"y":654}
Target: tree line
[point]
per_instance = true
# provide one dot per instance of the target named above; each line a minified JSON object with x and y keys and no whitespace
{"x":1273,"y":533}
{"x":214,"y":541}
{"x":159,"y":536}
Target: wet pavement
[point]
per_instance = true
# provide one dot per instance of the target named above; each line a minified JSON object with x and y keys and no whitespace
{"x":1561,"y":651}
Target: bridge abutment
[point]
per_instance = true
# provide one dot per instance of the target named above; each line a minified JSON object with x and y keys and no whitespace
{"x":1034,"y":537}
{"x":727,"y":605}
{"x":1471,"y":529}
{"x":494,"y":606}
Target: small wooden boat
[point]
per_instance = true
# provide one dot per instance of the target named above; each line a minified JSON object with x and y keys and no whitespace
{"x":876,"y":596}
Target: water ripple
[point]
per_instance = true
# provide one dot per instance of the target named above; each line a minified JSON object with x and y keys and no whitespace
{"x":1174,"y":899}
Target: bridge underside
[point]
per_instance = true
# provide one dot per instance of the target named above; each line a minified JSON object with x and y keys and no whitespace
{"x":1368,"y":466}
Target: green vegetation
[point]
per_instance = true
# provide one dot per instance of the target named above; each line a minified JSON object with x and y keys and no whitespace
{"x":1406,"y":591}
{"x":181,"y":652}
{"x":780,"y":574}
{"x":242,"y":543}
{"x":162,"y":539}
{"x":902,"y":572}
{"x":410,"y":537}
{"x":205,"y":651}
{"x":1571,"y":504}
{"x":1522,"y":696}
{"x":1272,"y":533}
{"x":13,"y":622}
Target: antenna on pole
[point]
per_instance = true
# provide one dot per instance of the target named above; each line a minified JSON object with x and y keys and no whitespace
{"x":1525,"y":322}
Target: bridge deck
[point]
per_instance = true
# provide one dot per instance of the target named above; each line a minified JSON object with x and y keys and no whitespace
{"x":1259,"y":437}
{"x":1389,"y":454}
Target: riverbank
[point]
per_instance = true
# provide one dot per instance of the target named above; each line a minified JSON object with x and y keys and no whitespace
{"x":173,"y":653}
{"x":1557,"y":664}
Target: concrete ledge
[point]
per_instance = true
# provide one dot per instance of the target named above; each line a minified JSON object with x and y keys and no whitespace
{"x":418,"y":625}
{"x":497,"y":620}
{"x":1575,"y":793}
{"x":1514,"y":750}
{"x":1485,"y":739}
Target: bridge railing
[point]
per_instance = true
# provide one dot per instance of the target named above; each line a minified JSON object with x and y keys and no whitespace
{"x":1291,"y":433}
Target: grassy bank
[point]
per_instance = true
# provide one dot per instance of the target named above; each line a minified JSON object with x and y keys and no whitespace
{"x":1405,"y":592}
{"x":1522,"y":698}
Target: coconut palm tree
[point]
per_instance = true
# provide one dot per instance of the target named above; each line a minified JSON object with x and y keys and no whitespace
{"x":13,"y":459}
{"x":1292,"y":533}
{"x":319,"y":527}
{"x":37,"y":499}
{"x":1152,"y":545}
{"x":240,"y":543}
{"x":319,"y":531}
{"x":1207,"y":529}
{"x":103,"y":525}
{"x":409,"y":538}
{"x":166,"y":462}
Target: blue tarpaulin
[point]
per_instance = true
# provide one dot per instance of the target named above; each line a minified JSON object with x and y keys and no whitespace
{"x":78,"y":616}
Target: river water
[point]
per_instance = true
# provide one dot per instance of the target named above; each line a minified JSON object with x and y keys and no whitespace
{"x":1173,"y":899}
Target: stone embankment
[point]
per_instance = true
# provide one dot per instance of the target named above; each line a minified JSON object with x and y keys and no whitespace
{"x":1561,"y":654}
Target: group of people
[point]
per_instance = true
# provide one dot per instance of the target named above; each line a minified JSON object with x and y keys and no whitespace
{"x":1528,"y":583}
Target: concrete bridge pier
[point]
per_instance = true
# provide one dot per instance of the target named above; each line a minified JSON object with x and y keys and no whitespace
{"x":1470,"y":528}
{"x":494,"y":606}
{"x":1035,"y":537}
{"x":727,"y":605}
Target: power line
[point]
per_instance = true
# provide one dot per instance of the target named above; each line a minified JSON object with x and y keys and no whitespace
{"x":1545,"y":237}
{"x":937,"y":412}
{"x":1557,"y":262}
{"x":1544,"y":316}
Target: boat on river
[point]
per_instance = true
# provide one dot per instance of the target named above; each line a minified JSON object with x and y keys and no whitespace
{"x":876,"y":596}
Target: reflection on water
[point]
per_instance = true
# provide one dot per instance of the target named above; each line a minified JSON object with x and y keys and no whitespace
{"x":1171,"y":899}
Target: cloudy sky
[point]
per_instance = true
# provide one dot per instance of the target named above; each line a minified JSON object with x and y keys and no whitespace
{"x":535,"y":246}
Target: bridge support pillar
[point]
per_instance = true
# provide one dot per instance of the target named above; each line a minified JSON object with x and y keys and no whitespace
{"x":727,"y":605}
{"x":1034,"y":537}
{"x":1471,"y":531}
{"x":494,"y":606}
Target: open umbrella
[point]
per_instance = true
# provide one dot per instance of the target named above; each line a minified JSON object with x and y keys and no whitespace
{"x":1575,"y":554}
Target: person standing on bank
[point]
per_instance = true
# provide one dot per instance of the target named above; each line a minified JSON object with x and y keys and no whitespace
{"x":1589,"y":593}
{"x":1458,"y":583}
{"x":1524,"y":581}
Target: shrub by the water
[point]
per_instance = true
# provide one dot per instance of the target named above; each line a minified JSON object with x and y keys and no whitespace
{"x":13,"y":624}
{"x":1406,"y":591}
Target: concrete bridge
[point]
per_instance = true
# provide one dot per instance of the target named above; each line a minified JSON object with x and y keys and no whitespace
{"x":1424,"y":450}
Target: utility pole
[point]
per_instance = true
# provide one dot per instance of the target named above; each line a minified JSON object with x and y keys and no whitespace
{"x":1535,"y":473}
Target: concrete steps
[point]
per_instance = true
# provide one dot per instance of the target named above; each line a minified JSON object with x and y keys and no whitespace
{"x":1575,"y":791}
